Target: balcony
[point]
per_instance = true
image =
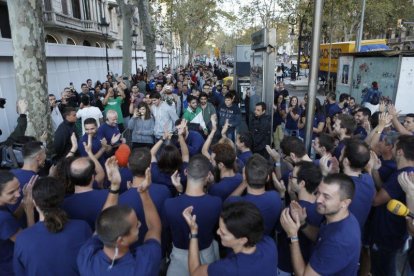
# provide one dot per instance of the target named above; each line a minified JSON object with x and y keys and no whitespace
{"x":54,"y":19}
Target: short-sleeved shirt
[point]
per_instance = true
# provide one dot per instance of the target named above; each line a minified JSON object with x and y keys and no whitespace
{"x":106,"y":131}
{"x":363,"y":197}
{"x":338,"y":247}
{"x":115,"y":104}
{"x":269,"y":204}
{"x":389,"y":230}
{"x":332,"y":109}
{"x":207,"y":208}
{"x":226,"y":186}
{"x":40,"y":252}
{"x":163,"y":178}
{"x":93,"y":261}
{"x":85,"y":206}
{"x":361,"y":132}
{"x":306,"y":245}
{"x":131,"y":198}
{"x":261,"y":262}
{"x":290,"y":122}
{"x":24,"y":177}
{"x":387,"y":168}
{"x":8,"y":227}
{"x":96,"y":146}
{"x":89,"y":112}
{"x":244,"y":156}
{"x":277,"y":118}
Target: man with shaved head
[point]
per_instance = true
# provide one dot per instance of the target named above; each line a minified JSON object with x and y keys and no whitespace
{"x":86,"y":203}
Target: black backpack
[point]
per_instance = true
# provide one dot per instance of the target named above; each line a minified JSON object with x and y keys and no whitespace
{"x":11,"y":157}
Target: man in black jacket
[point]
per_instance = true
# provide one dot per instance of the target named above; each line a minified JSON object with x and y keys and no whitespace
{"x":260,"y":128}
{"x":62,"y":142}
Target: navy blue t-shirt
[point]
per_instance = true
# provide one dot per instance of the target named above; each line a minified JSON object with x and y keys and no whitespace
{"x":290,"y":122}
{"x":8,"y":227}
{"x":360,"y":132}
{"x":93,"y":261}
{"x":332,"y":109}
{"x":194,"y":142}
{"x":338,"y":150}
{"x":390,"y":230}
{"x":261,"y":262}
{"x":40,"y":252}
{"x":85,"y":206}
{"x":131,"y":198}
{"x":207,"y":208}
{"x":106,"y":131}
{"x":363,"y":197}
{"x":306,"y":245}
{"x":165,"y":179}
{"x":269,"y":204}
{"x":24,"y":177}
{"x":318,"y":118}
{"x":96,"y":146}
{"x":338,"y":247}
{"x":244,"y":156}
{"x":277,"y":118}
{"x":387,"y":168}
{"x":226,"y":186}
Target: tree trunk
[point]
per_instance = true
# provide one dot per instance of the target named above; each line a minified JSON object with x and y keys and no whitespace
{"x":126,"y":12}
{"x":148,"y":33}
{"x":29,"y":58}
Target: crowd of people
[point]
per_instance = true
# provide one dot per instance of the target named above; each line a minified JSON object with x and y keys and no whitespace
{"x":161,"y":175}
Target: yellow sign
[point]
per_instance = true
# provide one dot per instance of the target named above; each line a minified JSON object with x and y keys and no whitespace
{"x":337,"y":49}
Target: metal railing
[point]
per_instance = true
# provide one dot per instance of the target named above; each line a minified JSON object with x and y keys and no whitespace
{"x":65,"y":20}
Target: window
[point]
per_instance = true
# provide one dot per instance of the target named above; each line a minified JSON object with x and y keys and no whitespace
{"x":70,"y":41}
{"x":86,"y":43}
{"x":76,"y":9}
{"x":51,"y":39}
{"x":64,"y":7}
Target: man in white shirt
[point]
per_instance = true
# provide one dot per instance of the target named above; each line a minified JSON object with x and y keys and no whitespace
{"x":87,"y":111}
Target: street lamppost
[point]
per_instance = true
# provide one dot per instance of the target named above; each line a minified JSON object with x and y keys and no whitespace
{"x":105,"y":28}
{"x":134,"y":41}
{"x":292,"y":36}
{"x":162,"y":54}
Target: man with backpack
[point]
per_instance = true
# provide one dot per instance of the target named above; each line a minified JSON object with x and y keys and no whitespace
{"x":372,"y":95}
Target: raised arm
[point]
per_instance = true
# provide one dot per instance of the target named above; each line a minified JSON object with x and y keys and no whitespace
{"x":395,"y":122}
{"x":100,"y":173}
{"x":114,"y":177}
{"x":194,"y":264}
{"x":183,"y":145}
{"x":152,"y":218}
{"x":210,"y":137}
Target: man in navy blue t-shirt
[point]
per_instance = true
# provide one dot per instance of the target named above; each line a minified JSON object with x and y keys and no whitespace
{"x":244,"y":143}
{"x":34,"y":155}
{"x":303,"y":182}
{"x":86,"y":203}
{"x":98,"y":143}
{"x":207,"y":208}
{"x":138,"y":162}
{"x":223,"y":157}
{"x":389,"y":231}
{"x":117,"y":228}
{"x":240,"y":229}
{"x":343,"y":128}
{"x":355,"y":156}
{"x":256,"y":173}
{"x":338,"y":241}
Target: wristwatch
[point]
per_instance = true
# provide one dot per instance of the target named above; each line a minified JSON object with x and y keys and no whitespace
{"x":293,"y":239}
{"x":113,"y":191}
{"x":192,"y":236}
